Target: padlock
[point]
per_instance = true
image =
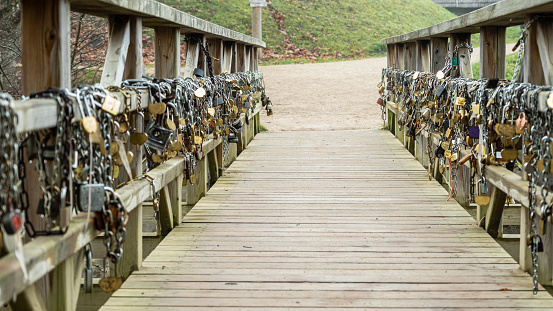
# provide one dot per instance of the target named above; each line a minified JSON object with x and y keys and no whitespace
{"x":439,"y":152}
{"x":94,"y":191}
{"x":88,"y":272}
{"x":536,"y":242}
{"x":232,"y":138}
{"x":269,"y":110}
{"x":474,"y":132}
{"x":198,"y":72}
{"x":12,"y":222}
{"x":158,"y":136}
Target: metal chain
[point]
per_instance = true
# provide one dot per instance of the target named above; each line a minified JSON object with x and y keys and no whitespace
{"x":9,"y":193}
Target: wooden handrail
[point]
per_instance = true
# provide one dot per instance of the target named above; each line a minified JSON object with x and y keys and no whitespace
{"x":155,"y":14}
{"x":504,"y":13}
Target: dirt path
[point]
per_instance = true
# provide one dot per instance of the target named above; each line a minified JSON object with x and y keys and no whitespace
{"x":327,"y":96}
{"x":324,"y":96}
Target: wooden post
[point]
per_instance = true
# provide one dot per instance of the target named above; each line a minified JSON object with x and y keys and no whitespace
{"x":423,"y":55}
{"x":227,"y":57}
{"x":235,"y":67}
{"x":116,"y":55}
{"x":165,"y":211}
{"x":175,"y":194}
{"x":132,"y":248}
{"x":463,"y":54}
{"x":391,"y":59}
{"x":192,"y":58}
{"x":400,"y":61}
{"x":494,"y":212}
{"x":66,"y":285}
{"x":45,"y":44}
{"x":438,"y":47}
{"x":255,"y":58}
{"x":167,"y":52}
{"x":247,"y":57}
{"x":492,"y":52}
{"x":538,"y":61}
{"x":410,"y":54}
{"x":544,"y":34}
{"x":45,"y":56}
{"x":135,"y":62}
{"x":216,"y":50}
{"x":240,"y":57}
{"x":214,"y":165}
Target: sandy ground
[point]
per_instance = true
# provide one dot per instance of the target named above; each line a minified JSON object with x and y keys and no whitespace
{"x":327,"y":96}
{"x":324,"y":96}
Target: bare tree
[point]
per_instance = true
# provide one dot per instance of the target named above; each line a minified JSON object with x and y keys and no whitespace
{"x":10,"y":47}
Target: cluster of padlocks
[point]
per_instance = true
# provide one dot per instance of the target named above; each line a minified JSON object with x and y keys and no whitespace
{"x":500,"y":122}
{"x":79,"y":160}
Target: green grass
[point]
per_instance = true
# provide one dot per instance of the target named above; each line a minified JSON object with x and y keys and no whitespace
{"x":348,"y":27}
{"x":510,"y":62}
{"x":263,"y":128}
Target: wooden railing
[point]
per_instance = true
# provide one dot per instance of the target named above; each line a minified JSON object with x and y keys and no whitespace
{"x":54,"y":263}
{"x":428,"y":49}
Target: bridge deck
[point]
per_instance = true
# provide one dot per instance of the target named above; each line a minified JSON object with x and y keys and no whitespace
{"x":341,"y":219}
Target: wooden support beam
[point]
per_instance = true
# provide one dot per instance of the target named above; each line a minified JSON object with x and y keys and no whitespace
{"x":45,"y":45}
{"x":423,"y":55}
{"x":463,"y":55}
{"x":175,"y":193}
{"x":492,"y":52}
{"x":214,"y":165}
{"x":165,"y":211}
{"x":215,"y":47}
{"x":167,"y":52}
{"x":533,"y":71}
{"x":227,"y":57}
{"x":29,"y":300}
{"x":192,"y":58}
{"x":438,"y":48}
{"x":116,"y":55}
{"x":134,"y":66}
{"x":544,"y":34}
{"x":247,"y":57}
{"x":400,"y":61}
{"x":494,"y":211}
{"x":240,"y":57}
{"x":67,"y":283}
{"x":410,"y":54}
{"x":255,"y":58}
{"x":391,"y":59}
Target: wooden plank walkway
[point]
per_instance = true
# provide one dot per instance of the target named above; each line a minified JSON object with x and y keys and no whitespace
{"x":335,"y":220}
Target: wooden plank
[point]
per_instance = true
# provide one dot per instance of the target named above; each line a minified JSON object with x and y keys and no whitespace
{"x":156,"y":14}
{"x":532,"y":66}
{"x":227,"y":58}
{"x":463,"y":54}
{"x":215,"y":49}
{"x":192,"y":58}
{"x":67,"y":281}
{"x":165,"y":211}
{"x":492,"y":52}
{"x":45,"y":54}
{"x":265,"y":231}
{"x":134,"y":67}
{"x":167,"y":52}
{"x":544,"y":34}
{"x":438,"y":49}
{"x":410,"y":55}
{"x":504,"y":13}
{"x":116,"y":55}
{"x":240,"y":57}
{"x":390,"y":59}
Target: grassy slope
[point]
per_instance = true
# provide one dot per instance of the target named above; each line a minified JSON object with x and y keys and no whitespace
{"x":348,"y":27}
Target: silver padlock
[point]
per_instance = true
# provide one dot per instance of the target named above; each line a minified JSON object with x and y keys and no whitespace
{"x":93,"y":190}
{"x":88,"y":271}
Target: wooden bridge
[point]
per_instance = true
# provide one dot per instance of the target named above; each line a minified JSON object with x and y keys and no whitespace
{"x":300,"y":220}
